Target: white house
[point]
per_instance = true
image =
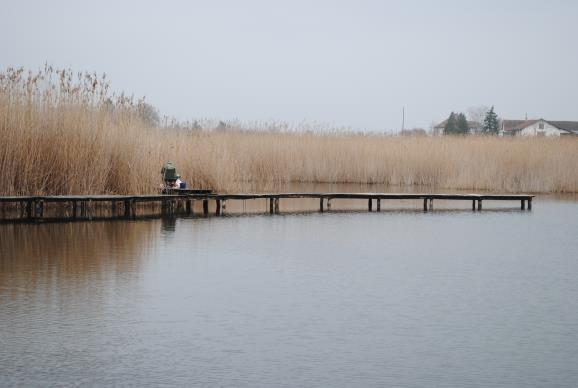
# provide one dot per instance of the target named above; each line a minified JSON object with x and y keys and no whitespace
{"x":539,"y":127}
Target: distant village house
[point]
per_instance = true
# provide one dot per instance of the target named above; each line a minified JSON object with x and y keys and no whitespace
{"x":539,"y":127}
{"x":438,"y":129}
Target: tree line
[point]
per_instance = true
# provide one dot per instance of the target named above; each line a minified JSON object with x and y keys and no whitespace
{"x":457,"y":124}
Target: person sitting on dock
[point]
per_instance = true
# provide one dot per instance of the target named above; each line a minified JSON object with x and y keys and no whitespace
{"x":170,"y":177}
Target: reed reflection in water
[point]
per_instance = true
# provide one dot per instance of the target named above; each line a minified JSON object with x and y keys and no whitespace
{"x":398,"y":298}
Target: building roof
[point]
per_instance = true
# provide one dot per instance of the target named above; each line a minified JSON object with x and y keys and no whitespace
{"x":570,"y":126}
{"x":516,"y":125}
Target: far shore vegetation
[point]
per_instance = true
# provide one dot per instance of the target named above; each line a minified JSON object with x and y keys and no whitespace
{"x":63,"y":132}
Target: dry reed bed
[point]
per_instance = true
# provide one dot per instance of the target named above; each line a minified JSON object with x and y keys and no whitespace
{"x":62,"y":133}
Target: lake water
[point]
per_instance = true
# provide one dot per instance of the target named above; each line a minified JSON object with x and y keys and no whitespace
{"x":401,"y":298}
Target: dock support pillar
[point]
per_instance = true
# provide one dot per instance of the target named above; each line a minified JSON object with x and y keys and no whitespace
{"x":425,"y":204}
{"x":431,"y":204}
{"x":474,"y":205}
{"x":39,"y":209}
{"x":479,"y":204}
{"x":271,"y":206}
{"x":523,"y":205}
{"x":133,"y":208}
{"x":218,"y":207}
{"x":276,"y":205}
{"x":29,"y":207}
{"x":370,"y":204}
{"x":321,"y":204}
{"x":529,"y":203}
{"x":328,"y":203}
{"x":188,"y":206}
{"x":205,"y":207}
{"x":378,"y":204}
{"x":127,"y":208}
{"x":113,"y":208}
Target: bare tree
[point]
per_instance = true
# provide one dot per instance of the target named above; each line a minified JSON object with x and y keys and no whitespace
{"x":477,"y":114}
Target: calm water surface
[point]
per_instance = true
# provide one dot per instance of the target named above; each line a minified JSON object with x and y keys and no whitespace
{"x":398,"y":298}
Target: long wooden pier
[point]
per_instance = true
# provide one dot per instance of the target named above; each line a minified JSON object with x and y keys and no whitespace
{"x":32,"y":208}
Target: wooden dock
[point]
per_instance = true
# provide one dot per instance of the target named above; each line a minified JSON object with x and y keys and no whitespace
{"x":32,"y":208}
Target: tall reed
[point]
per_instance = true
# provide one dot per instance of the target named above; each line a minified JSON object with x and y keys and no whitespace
{"x":65,"y":133}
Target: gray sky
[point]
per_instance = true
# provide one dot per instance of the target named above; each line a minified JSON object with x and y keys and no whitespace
{"x":346,"y":63}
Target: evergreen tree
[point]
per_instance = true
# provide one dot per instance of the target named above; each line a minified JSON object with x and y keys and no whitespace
{"x":462,"y":124}
{"x":491,"y":124}
{"x":451,"y":127}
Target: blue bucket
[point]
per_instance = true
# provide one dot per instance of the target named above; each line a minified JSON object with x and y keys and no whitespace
{"x":183,"y":185}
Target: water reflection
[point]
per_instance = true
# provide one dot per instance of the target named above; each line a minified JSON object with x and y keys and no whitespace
{"x":168,"y":223}
{"x":38,"y":258}
{"x":345,"y":298}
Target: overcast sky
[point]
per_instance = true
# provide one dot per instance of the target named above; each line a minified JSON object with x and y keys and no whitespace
{"x":345,"y":63}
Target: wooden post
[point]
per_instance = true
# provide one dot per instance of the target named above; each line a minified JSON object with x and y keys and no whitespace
{"x":328,"y":203}
{"x":378,"y":204}
{"x":474,"y":205}
{"x":479,"y":204}
{"x":431,"y":204}
{"x":39,"y":209}
{"x":113,"y":208}
{"x":188,"y":206}
{"x":276,"y":205}
{"x":82,"y":209}
{"x":369,"y":204}
{"x":29,"y":207}
{"x":133,"y":208}
{"x":523,"y":205}
{"x":22,"y":207}
{"x":218,"y":209}
{"x":529,"y":203}
{"x":205,"y":207}
{"x":271,"y":206}
{"x":425,"y":204}
{"x":127,"y":208}
{"x":321,"y":204}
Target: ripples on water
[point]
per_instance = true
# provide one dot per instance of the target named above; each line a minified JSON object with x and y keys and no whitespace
{"x":399,"y":298}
